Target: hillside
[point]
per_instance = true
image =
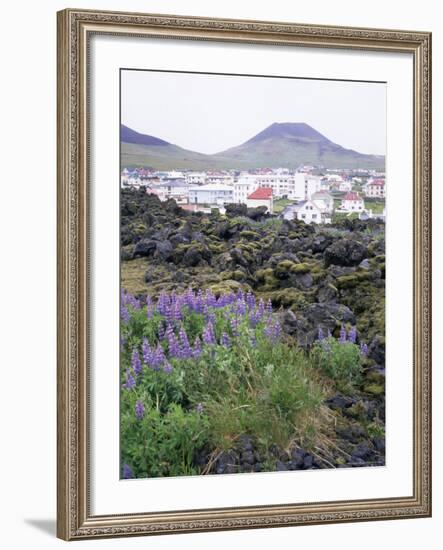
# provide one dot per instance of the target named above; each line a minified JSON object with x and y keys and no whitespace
{"x":279,"y":145}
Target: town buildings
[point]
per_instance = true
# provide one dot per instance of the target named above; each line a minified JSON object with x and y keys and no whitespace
{"x":307,"y":194}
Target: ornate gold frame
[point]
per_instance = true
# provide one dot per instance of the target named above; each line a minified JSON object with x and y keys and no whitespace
{"x":74,"y":520}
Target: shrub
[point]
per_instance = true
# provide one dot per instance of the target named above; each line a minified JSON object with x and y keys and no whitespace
{"x":339,"y":360}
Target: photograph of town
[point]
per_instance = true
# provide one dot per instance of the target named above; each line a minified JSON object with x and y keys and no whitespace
{"x":252,"y":308}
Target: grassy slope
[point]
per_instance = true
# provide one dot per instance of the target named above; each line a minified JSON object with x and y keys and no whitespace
{"x":275,"y":152}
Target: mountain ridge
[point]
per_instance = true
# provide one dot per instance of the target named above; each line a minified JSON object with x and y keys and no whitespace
{"x":281,"y":144}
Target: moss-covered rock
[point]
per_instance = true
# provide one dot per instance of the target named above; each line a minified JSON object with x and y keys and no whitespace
{"x":227,"y":286}
{"x":288,"y":297}
{"x":374,"y":389}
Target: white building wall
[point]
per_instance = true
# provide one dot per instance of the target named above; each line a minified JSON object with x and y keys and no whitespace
{"x":352,"y":206}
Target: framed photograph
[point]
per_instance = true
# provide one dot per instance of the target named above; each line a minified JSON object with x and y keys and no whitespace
{"x":244,"y":234}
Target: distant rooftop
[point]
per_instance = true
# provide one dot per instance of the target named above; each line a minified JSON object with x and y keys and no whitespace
{"x":261,"y":193}
{"x":352,"y":196}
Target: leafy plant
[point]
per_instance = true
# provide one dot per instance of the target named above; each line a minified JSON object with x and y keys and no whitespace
{"x":199,"y":371}
{"x":340,"y":360}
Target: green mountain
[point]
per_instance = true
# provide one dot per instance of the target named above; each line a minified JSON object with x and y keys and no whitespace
{"x":285,"y":145}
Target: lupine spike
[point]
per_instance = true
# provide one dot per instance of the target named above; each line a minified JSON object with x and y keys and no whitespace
{"x":135,"y":362}
{"x":127,"y":472}
{"x":139,"y":410}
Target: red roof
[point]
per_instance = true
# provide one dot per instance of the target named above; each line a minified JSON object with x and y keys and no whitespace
{"x":351,"y":196}
{"x":261,"y":193}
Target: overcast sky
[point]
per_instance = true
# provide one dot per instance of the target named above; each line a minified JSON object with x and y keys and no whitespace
{"x":210,"y":113}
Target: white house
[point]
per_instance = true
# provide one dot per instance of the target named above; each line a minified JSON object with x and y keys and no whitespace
{"x":174,"y":175}
{"x":352,"y":202}
{"x":172,"y":189}
{"x":344,"y":185}
{"x":222,"y":178}
{"x":195,"y":178}
{"x":306,"y":211}
{"x":375,"y":188}
{"x":211,"y":193}
{"x":323,"y":200}
{"x":261,"y":197}
{"x":131,"y":180}
{"x":243,"y":187}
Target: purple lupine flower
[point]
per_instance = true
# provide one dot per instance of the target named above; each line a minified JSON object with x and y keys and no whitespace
{"x":225,"y":340}
{"x":342,"y":338}
{"x":146,"y":352}
{"x":277,"y":330}
{"x":272,"y":331}
{"x":321,"y":334}
{"x":163,"y":303}
{"x":329,"y":334}
{"x":189,"y":299}
{"x":127,"y":472}
{"x":199,"y":302}
{"x":177,"y":311}
{"x":169,"y":314}
{"x":234,"y":325}
{"x":241,"y":307}
{"x":167,"y":367}
{"x":173,"y":343}
{"x":268,"y":331}
{"x":124,"y":314}
{"x":157,"y":358}
{"x":161,"y":331}
{"x":269,"y":307}
{"x":254,"y":318}
{"x":185,"y":351}
{"x":139,"y":410}
{"x":211,"y":300}
{"x":130,"y":380}
{"x":208,"y":335}
{"x":240,"y":295}
{"x":149,"y":307}
{"x":253,"y":341}
{"x":210,"y":318}
{"x":363,"y":349}
{"x":135,"y":362}
{"x":197,"y":348}
{"x":199,"y":408}
{"x":352,"y":335}
{"x":261,"y":308}
{"x":250,"y":300}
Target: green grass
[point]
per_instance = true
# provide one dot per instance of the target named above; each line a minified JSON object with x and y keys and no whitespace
{"x":280,"y":204}
{"x":377,"y":206}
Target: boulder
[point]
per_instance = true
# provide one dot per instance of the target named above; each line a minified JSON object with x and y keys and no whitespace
{"x":345,"y":252}
{"x":145,"y":248}
{"x":164,"y":250}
